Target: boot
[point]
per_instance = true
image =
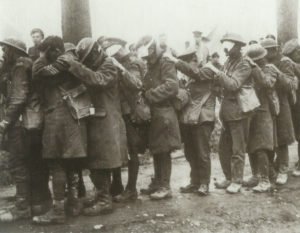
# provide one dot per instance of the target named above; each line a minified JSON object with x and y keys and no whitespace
{"x":296,"y":172}
{"x":153,"y":187}
{"x":54,"y":216}
{"x":203,"y":190}
{"x":126,"y":196}
{"x":222,"y":184}
{"x":42,"y":208}
{"x":251,"y":182}
{"x":191,"y":188}
{"x":281,"y":179}
{"x":262,"y":187}
{"x":161,"y":193}
{"x":102,"y":206}
{"x":21,"y":210}
{"x":234,"y":188}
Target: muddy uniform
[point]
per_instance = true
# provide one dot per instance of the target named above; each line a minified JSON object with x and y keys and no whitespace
{"x":161,"y":86}
{"x":196,"y":135}
{"x":235,"y":134}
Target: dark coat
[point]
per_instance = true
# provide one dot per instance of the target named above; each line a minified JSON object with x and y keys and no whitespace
{"x":106,"y":129}
{"x":284,"y":122}
{"x":63,"y":136}
{"x":201,"y":85}
{"x":237,"y":72}
{"x":161,"y":85}
{"x":296,"y":107}
{"x":262,"y":135}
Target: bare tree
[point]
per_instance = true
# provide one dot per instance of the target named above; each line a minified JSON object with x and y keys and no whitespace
{"x":76,"y":20}
{"x":287,"y":20}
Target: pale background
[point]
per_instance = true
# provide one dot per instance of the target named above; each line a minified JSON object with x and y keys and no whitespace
{"x":130,"y":19}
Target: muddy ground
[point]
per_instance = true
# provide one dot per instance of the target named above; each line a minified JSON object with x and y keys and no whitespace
{"x":218,"y":212}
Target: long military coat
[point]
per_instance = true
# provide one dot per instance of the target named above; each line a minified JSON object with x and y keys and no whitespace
{"x":161,"y":85}
{"x":106,"y":129}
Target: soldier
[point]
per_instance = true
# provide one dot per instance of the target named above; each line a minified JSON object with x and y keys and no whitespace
{"x":106,"y":130}
{"x":235,"y":132}
{"x":197,"y":120}
{"x":63,"y":150}
{"x":284,"y":123}
{"x":37,"y":36}
{"x":131,"y":83}
{"x":262,"y":139}
{"x":19,"y":99}
{"x":161,"y":86}
{"x":291,"y":49}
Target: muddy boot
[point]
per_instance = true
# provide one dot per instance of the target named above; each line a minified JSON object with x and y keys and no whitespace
{"x":20,"y":211}
{"x":262,"y":187}
{"x":251,"y":182}
{"x":281,"y":179}
{"x":54,"y":216}
{"x":153,"y":187}
{"x":203,"y":190}
{"x":42,"y":208}
{"x":223,"y":184}
{"x":102,"y":206}
{"x":296,"y":172}
{"x":126,"y":196}
{"x":191,"y":188}
{"x":161,"y":193}
{"x":234,"y":188}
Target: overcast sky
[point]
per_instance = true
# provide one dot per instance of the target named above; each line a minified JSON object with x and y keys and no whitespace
{"x":131,"y":19}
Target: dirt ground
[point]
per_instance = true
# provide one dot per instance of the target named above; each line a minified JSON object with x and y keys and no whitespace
{"x":218,"y":212}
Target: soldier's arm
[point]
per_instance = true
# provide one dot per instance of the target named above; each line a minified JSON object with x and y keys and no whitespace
{"x":104,"y":76}
{"x":264,"y":77}
{"x":131,"y":78}
{"x":19,"y":93}
{"x":197,"y":74}
{"x":238,"y":78}
{"x":170,"y":86}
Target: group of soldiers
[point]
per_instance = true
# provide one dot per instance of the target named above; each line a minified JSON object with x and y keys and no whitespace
{"x":101,"y":103}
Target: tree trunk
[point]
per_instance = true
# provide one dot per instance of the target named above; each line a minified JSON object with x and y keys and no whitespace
{"x":287,"y":20}
{"x":76,"y":20}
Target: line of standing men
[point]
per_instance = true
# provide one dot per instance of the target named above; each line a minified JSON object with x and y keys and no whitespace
{"x":81,"y":108}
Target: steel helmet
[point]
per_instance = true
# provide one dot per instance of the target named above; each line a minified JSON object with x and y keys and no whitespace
{"x":269,"y":43}
{"x":15,"y":43}
{"x":84,"y":48}
{"x":290,"y":46}
{"x":233,"y":37}
{"x":69,"y":47}
{"x":256,"y":52}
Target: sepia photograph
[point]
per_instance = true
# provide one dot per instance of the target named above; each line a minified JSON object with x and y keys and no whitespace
{"x":149,"y":116}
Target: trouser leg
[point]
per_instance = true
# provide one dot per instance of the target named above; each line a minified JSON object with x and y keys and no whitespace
{"x":102,"y":179}
{"x":116,"y":185}
{"x":190,"y":154}
{"x":39,"y":171}
{"x":166,"y":169}
{"x":133,"y":170}
{"x":263,"y":164}
{"x":254,"y":164}
{"x":19,"y":166}
{"x":59,"y":179}
{"x":225,"y":151}
{"x":283,"y":159}
{"x":203,"y":152}
{"x":157,"y":169}
{"x":272,"y":171}
{"x":239,"y":132}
